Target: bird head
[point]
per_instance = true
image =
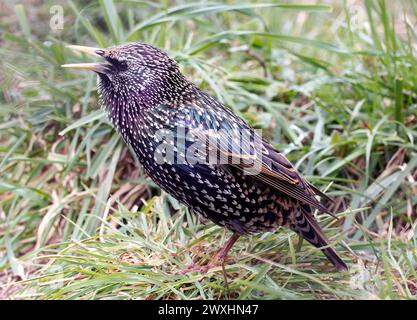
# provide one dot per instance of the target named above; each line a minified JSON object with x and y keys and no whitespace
{"x":137,"y":69}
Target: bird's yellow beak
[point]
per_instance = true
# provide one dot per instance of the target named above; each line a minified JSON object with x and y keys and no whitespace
{"x":97,"y":67}
{"x":89,"y":50}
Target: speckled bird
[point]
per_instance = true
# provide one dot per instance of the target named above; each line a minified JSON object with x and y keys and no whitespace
{"x":144,"y":93}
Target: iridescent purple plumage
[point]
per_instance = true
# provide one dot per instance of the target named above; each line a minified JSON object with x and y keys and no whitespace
{"x":144,"y":92}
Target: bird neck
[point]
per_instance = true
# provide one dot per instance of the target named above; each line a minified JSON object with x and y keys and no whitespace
{"x":127,"y":104}
{"x":164,"y":89}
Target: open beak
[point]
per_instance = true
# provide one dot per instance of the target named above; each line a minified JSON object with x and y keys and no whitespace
{"x":97,"y":67}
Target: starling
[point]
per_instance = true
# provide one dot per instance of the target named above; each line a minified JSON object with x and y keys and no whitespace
{"x":174,"y":128}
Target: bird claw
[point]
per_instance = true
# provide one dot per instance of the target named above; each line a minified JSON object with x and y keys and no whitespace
{"x":192,"y":267}
{"x":217,"y":261}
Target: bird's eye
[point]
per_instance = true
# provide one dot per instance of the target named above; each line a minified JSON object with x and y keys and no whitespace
{"x":122,"y":65}
{"x":99,"y":52}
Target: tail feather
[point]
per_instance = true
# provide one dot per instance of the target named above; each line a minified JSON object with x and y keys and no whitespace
{"x":306,"y":226}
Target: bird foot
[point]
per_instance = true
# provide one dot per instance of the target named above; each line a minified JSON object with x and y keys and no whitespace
{"x":193,"y":267}
{"x":217,"y":261}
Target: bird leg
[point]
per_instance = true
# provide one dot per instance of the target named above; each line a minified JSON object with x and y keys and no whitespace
{"x":218,"y":259}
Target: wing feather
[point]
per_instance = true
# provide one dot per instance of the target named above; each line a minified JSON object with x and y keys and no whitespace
{"x":275,"y":170}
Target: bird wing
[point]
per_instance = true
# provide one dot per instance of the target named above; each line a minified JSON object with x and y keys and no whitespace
{"x":216,"y":127}
{"x":276,"y":171}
